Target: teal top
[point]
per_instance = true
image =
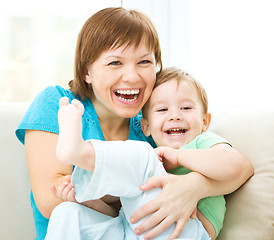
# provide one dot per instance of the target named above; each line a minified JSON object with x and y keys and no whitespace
{"x":212,"y":207}
{"x":42,"y":115}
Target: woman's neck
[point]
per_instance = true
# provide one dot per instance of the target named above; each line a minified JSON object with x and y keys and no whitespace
{"x":113,"y":127}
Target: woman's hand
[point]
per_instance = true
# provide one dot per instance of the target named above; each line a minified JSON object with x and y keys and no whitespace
{"x":66,"y":191}
{"x":169,"y":157}
{"x":175,"y":204}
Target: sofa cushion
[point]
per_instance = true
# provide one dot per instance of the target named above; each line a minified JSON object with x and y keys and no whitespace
{"x":16,"y":215}
{"x":250,"y":210}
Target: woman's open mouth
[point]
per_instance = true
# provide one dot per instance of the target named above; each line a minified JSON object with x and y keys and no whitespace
{"x":127,"y":95}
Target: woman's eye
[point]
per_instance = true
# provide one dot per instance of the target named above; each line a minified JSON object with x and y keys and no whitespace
{"x":115,"y":63}
{"x":144,"y":62}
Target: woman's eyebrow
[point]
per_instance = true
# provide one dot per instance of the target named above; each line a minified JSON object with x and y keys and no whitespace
{"x":147,"y":54}
{"x":118,"y":56}
{"x":113,"y":56}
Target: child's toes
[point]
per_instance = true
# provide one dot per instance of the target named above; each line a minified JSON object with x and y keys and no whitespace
{"x":63,"y":101}
{"x":78,"y":105}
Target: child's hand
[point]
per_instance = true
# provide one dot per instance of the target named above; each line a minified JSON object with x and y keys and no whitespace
{"x":66,"y":191}
{"x":168,"y":156}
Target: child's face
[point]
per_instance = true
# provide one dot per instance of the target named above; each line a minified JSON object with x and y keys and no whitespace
{"x":175,"y":115}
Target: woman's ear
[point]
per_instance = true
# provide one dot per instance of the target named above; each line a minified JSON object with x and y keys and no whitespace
{"x":145,"y":127}
{"x":206,"y":121}
{"x":86,"y":76}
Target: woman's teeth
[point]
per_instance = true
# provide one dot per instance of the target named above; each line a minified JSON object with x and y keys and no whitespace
{"x":127,"y":95}
{"x":128,"y":92}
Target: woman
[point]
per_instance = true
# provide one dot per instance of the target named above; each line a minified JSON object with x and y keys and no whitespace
{"x":117,"y":54}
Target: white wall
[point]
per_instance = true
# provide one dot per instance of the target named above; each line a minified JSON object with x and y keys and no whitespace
{"x":227,"y":45}
{"x":232,"y":50}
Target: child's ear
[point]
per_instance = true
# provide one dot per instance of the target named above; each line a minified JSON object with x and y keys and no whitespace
{"x":206,"y":121}
{"x":144,"y":126}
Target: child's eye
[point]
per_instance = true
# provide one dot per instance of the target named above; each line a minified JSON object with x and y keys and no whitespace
{"x":186,"y":108}
{"x":161,"y":110}
{"x":115,"y":63}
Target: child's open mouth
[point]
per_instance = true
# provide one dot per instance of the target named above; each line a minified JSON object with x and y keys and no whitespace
{"x":176,"y":131}
{"x":127,"y":95}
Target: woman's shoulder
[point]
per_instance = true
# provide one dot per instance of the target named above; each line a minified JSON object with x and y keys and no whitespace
{"x":42,"y":113}
{"x":52,"y":93}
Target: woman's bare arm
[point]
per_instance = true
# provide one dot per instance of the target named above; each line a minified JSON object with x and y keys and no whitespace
{"x":179,"y":197}
{"x":44,"y":169}
{"x":215,"y":188}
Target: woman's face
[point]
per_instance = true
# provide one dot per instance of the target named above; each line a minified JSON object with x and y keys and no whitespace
{"x":122,"y":80}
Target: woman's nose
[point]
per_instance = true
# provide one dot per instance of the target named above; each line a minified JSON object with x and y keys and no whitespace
{"x":130,"y":74}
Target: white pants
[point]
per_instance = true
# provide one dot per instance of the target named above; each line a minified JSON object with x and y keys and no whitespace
{"x":120,"y":168}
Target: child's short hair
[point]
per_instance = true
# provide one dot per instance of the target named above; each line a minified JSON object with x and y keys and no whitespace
{"x":170,"y":73}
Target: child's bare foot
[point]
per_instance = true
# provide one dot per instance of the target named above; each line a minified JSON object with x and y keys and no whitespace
{"x":70,"y":130}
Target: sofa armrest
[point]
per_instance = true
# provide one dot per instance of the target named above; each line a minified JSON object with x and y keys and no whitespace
{"x":250,"y":210}
{"x":16,"y":214}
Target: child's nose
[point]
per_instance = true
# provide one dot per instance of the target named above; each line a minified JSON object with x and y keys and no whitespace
{"x":175,"y":116}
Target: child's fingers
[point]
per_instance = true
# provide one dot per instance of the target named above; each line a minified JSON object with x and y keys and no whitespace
{"x":159,"y":153}
{"x":68,"y":178}
{"x":66,"y":191}
{"x":61,"y":189}
{"x":71,"y":195}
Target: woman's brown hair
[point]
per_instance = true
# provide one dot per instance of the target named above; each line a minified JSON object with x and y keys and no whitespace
{"x":106,"y":29}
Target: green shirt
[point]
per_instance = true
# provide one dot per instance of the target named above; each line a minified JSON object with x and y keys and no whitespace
{"x":212,"y":207}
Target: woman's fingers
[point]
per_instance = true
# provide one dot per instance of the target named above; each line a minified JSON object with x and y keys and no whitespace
{"x":153,"y":220}
{"x":143,"y":211}
{"x":151,"y":206}
{"x":175,"y":204}
{"x":153,"y":182}
{"x":178,"y":229}
{"x":194,"y":213}
{"x":160,"y":228}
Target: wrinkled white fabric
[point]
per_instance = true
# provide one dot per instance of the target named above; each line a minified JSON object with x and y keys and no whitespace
{"x":120,"y":168}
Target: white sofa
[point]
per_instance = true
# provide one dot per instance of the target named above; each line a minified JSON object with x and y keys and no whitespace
{"x":250,"y":210}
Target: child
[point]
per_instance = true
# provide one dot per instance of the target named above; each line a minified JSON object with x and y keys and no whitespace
{"x":175,"y":116}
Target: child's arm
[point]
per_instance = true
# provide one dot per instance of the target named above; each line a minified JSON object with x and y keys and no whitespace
{"x":66,"y":192}
{"x":220,"y":162}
